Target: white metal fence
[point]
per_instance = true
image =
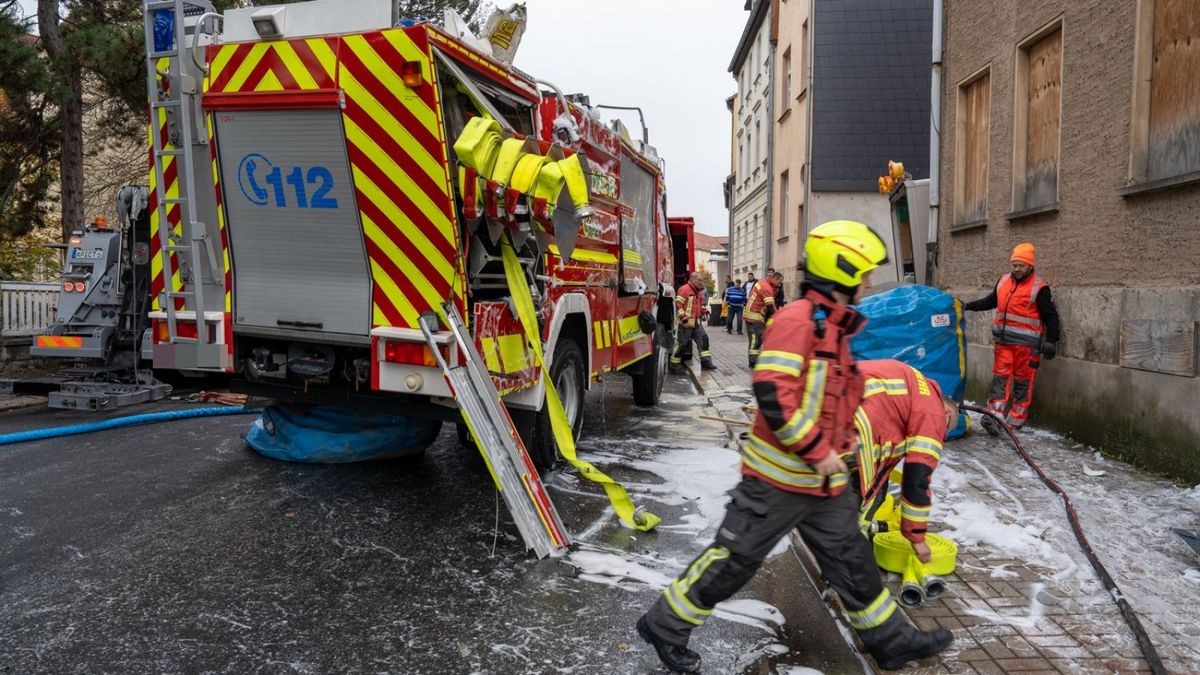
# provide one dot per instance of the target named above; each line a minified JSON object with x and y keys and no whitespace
{"x":26,"y":308}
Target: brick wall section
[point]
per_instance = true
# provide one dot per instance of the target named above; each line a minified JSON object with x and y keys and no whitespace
{"x":1097,"y":237}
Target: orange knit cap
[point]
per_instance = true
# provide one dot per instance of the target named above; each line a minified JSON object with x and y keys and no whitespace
{"x":1023,"y":253}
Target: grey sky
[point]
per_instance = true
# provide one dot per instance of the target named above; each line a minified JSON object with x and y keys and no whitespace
{"x":667,"y":56}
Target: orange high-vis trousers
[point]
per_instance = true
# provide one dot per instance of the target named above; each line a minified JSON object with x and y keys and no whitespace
{"x":1012,"y":382}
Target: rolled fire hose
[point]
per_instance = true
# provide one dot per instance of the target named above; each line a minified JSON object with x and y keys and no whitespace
{"x":1131,"y":618}
{"x":894,"y":553}
{"x":119,"y":422}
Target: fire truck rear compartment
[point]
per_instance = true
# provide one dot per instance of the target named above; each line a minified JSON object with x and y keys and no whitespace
{"x":299,"y":262}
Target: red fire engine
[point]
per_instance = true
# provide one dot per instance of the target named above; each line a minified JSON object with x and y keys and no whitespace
{"x":308,"y":207}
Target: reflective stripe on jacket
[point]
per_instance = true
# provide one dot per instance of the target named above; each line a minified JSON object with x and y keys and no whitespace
{"x":688,"y":305}
{"x":901,"y":418}
{"x":807,"y":389}
{"x":1017,"y":319}
{"x":762,"y":295}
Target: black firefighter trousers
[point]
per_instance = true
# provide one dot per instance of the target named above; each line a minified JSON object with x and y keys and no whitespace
{"x":758,"y":515}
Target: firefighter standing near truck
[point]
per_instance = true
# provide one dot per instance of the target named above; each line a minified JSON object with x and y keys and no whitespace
{"x":760,"y":305}
{"x":807,"y":388}
{"x":1025,"y":330}
{"x":903,"y":418}
{"x":691,"y":313}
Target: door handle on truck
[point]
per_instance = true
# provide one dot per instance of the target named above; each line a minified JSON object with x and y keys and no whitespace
{"x":300,"y":324}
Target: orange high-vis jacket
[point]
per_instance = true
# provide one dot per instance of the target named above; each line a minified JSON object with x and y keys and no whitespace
{"x":901,"y":418}
{"x":1018,"y":321}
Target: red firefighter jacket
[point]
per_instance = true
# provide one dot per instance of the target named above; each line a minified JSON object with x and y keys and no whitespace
{"x":901,"y":418}
{"x":807,"y":389}
{"x":762,"y":295}
{"x":688,"y":305}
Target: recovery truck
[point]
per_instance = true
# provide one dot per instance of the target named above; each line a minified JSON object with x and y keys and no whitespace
{"x":311,"y":201}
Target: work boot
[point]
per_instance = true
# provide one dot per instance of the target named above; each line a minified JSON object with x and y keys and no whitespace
{"x":989,"y":425}
{"x":707,"y":365}
{"x":897,"y":642}
{"x":677,"y":369}
{"x":676,"y":659}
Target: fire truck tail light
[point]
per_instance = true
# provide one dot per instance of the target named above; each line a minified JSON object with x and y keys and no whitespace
{"x":162,"y":334}
{"x":68,"y":286}
{"x":80,"y":286}
{"x":410,"y":74}
{"x":411,"y":353}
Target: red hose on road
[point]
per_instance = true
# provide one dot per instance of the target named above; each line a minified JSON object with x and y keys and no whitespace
{"x":1131,"y":618}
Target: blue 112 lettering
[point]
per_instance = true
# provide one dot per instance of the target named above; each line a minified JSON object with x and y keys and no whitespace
{"x":265,"y":184}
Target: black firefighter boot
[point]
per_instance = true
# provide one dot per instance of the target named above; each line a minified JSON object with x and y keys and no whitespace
{"x":897,"y":642}
{"x":707,"y":364}
{"x":677,"y":659}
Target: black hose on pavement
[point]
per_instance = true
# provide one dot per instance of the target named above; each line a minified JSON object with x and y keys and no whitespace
{"x":1131,"y":618}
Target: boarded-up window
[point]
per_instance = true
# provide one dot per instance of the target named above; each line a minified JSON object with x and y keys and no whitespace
{"x":1174,"y":143}
{"x":1044,"y":106}
{"x":974,"y":124}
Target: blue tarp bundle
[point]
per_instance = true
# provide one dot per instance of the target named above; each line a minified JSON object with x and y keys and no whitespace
{"x":327,"y":435}
{"x":923,"y":327}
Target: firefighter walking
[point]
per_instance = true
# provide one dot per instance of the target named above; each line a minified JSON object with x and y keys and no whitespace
{"x":1025,"y":330}
{"x":760,"y":306}
{"x":807,"y":388}
{"x":691,"y":312}
{"x":903,"y":418}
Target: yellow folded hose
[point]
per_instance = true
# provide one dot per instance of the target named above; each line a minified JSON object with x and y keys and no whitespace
{"x":573,"y":176}
{"x":549,"y":183}
{"x":476,"y":147}
{"x":526,"y":172}
{"x":506,"y":160}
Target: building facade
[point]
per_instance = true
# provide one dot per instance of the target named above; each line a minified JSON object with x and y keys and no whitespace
{"x":1076,"y":126}
{"x":750,"y":192}
{"x":790,"y":160}
{"x":870,"y":103}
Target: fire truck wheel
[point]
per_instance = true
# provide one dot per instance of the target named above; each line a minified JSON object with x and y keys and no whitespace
{"x":567,"y":372}
{"x":648,"y":384}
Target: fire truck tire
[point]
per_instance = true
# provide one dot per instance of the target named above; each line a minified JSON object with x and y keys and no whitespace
{"x":648,"y":384}
{"x":568,"y":372}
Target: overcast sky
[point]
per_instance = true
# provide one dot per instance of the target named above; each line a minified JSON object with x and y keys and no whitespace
{"x":668,"y":57}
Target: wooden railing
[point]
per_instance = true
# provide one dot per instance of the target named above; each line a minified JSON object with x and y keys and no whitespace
{"x":26,"y":308}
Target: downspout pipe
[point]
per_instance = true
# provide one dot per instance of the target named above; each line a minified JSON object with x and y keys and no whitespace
{"x":935,"y":147}
{"x":769,"y":215}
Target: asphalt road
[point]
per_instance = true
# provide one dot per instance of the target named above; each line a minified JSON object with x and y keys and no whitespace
{"x":174,"y":548}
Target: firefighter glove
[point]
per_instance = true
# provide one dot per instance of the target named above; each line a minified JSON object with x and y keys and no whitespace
{"x":1049,"y":350}
{"x":768,"y":311}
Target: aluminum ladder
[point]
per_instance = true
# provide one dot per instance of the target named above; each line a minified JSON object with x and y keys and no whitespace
{"x":178,"y":101}
{"x":497,"y":438}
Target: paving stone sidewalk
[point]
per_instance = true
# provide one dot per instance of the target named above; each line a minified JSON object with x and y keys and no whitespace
{"x":1046,"y":611}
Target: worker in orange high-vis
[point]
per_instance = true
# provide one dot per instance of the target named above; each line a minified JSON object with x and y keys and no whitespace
{"x":690,"y":315}
{"x":793,"y":476}
{"x":903,"y":418}
{"x":760,"y":305}
{"x":1025,"y":330}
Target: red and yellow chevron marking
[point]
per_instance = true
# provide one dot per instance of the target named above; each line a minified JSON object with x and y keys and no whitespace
{"x":171,"y":189}
{"x":225,"y":263}
{"x":396,"y":146}
{"x":292,"y":65}
{"x":58,"y":341}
